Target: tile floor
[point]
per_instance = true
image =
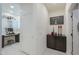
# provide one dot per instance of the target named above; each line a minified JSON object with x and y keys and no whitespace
{"x":14,"y":49}
{"x":53,"y":52}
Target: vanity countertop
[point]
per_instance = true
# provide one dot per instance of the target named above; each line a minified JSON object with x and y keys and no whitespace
{"x":10,"y":35}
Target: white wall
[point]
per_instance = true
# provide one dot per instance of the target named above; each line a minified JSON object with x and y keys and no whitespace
{"x":42,"y":23}
{"x":68,"y":25}
{"x":54,"y":14}
{"x":0,"y":27}
{"x":28,"y":40}
{"x":34,"y":23}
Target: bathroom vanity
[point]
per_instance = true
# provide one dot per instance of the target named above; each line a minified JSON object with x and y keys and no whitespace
{"x":10,"y":29}
{"x":10,"y":39}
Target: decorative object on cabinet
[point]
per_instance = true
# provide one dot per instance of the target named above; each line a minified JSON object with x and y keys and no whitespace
{"x":53,"y":30}
{"x":59,"y":30}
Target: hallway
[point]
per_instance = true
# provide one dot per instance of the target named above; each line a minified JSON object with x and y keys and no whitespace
{"x":39,"y":29}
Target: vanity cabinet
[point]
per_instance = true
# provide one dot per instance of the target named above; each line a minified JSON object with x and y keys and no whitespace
{"x":10,"y":39}
{"x":56,"y":42}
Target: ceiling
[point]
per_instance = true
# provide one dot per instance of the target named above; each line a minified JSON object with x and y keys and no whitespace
{"x":11,"y":8}
{"x":16,"y":10}
{"x":55,"y":6}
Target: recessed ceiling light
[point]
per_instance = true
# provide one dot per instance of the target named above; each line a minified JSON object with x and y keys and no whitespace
{"x":12,"y":6}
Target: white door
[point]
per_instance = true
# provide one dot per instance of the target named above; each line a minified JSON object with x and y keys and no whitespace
{"x":76,"y":31}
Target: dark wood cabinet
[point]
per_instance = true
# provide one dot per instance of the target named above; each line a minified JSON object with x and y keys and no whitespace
{"x":56,"y":42}
{"x":51,"y":43}
{"x":17,"y":38}
{"x":61,"y":43}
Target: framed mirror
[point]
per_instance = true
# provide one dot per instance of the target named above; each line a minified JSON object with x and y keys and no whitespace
{"x":57,"y":20}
